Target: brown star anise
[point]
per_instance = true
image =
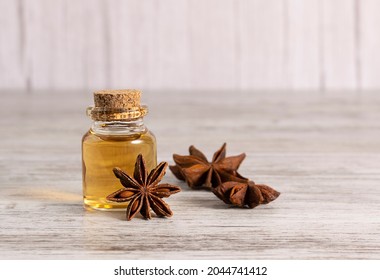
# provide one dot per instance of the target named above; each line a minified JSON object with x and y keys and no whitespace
{"x":197,"y":171}
{"x":245,"y":194}
{"x":143,"y":190}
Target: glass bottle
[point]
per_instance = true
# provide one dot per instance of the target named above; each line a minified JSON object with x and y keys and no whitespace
{"x":117,"y":136}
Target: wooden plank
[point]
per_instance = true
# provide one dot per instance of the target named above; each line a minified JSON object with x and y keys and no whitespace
{"x":189,"y":44}
{"x":320,"y":150}
{"x":261,"y":33}
{"x":71,"y":72}
{"x":66,"y":44}
{"x":212,"y":44}
{"x":97,"y":56}
{"x":302,"y":44}
{"x":131,"y":38}
{"x":44,"y":42}
{"x":169,"y":46}
{"x":149,"y":44}
{"x":12,"y":48}
{"x":338,"y":46}
{"x":369,"y":43}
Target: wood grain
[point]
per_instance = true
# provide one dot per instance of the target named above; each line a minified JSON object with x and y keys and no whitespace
{"x":214,"y":66}
{"x":12,"y":44}
{"x":321,"y":151}
{"x":303,"y":42}
{"x":338,"y":44}
{"x":369,"y":43}
{"x":189,"y":44}
{"x":261,"y":31}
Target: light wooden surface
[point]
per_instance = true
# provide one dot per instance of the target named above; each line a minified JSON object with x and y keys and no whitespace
{"x":191,"y":44}
{"x":321,"y":151}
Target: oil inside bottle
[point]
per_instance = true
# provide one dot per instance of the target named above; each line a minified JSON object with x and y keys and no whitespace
{"x":101,"y":153}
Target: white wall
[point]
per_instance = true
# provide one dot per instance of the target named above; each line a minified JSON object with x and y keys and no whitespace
{"x":194,"y":44}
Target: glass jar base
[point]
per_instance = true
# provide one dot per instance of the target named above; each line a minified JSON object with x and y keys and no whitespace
{"x":104,"y":206}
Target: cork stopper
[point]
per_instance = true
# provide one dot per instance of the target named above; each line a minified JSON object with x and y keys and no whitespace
{"x":120,"y":98}
{"x":117,"y":105}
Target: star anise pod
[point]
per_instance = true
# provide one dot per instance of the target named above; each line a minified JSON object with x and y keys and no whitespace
{"x":143,"y":190}
{"x":245,"y":194}
{"x":197,"y":171}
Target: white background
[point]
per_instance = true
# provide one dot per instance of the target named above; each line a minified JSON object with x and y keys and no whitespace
{"x":295,"y":270}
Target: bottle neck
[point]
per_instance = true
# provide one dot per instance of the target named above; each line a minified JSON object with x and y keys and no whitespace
{"x":135,"y":126}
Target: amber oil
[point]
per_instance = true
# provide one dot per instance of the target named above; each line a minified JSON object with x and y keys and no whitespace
{"x":113,"y":143}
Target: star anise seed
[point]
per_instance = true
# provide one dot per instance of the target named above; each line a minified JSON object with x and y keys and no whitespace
{"x":143,"y":190}
{"x":246,"y":194}
{"x":197,"y":171}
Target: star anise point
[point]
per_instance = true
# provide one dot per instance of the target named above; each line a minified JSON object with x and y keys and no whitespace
{"x":197,"y":171}
{"x":143,"y":191}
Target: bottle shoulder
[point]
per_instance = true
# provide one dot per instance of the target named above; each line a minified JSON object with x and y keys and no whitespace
{"x":86,"y":135}
{"x":150,"y":134}
{"x":92,"y":137}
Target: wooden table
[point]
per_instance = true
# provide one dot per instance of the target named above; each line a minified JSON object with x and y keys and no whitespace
{"x":320,"y":150}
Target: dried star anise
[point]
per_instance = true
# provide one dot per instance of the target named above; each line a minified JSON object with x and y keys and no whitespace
{"x":143,"y":190}
{"x":197,"y":171}
{"x":245,"y":194}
